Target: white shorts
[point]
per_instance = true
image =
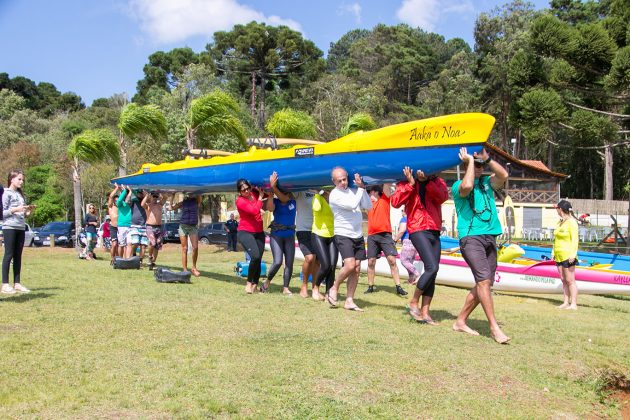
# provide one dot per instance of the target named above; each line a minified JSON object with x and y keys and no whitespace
{"x":123,"y":235}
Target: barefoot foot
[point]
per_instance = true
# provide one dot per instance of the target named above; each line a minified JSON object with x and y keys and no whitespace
{"x":464,"y":328}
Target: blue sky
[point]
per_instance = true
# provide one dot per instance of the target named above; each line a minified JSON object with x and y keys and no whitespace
{"x":97,"y":48}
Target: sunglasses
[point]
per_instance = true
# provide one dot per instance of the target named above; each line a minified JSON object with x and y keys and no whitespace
{"x":479,"y":165}
{"x":245,"y":189}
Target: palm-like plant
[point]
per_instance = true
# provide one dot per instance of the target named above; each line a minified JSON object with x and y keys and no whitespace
{"x":134,"y":121}
{"x":91,"y":146}
{"x":357,"y":122}
{"x":212,"y":115}
{"x":292,"y":124}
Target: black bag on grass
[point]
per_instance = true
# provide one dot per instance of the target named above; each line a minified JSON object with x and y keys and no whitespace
{"x":132,"y":263}
{"x":164,"y":275}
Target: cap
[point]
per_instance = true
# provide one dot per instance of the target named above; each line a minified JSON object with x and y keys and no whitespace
{"x":564,"y":205}
{"x":479,"y":161}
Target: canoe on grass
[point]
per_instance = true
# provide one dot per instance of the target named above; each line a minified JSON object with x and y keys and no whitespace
{"x":520,"y":276}
{"x":431,"y":145}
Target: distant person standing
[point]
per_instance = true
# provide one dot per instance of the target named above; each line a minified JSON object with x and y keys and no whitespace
{"x":380,"y":236}
{"x":14,"y":213}
{"x":250,"y":230}
{"x":153,"y":204}
{"x":565,"y":248}
{"x":91,"y":224}
{"x":231,"y":226}
{"x":478,"y":226}
{"x":107,"y":242}
{"x":347,"y":205}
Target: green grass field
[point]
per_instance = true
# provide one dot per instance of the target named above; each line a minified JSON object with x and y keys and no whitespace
{"x":90,"y":341}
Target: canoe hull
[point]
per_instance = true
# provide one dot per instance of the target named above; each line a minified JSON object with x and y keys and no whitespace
{"x":431,"y":145}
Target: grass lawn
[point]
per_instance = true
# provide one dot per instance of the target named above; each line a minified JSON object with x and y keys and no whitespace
{"x":90,"y":341}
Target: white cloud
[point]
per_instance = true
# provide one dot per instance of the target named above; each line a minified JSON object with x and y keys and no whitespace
{"x":167,"y":21}
{"x":426,"y":13}
{"x":353,"y":9}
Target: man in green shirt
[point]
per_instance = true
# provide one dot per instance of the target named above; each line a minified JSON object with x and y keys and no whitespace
{"x":478,"y":226}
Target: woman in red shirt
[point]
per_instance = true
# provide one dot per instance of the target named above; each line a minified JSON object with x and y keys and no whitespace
{"x":250,"y":230}
{"x":423,"y":203}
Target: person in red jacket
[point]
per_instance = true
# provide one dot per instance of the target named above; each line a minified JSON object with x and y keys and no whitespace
{"x":250,"y":230}
{"x":423,"y":203}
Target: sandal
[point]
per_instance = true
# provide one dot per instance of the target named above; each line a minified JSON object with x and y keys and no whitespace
{"x":331,"y":301}
{"x":264,"y":289}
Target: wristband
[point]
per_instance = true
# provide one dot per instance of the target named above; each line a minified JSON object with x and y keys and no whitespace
{"x":487,"y":161}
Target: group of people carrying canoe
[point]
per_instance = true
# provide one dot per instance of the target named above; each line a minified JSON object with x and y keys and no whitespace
{"x":328,"y":224}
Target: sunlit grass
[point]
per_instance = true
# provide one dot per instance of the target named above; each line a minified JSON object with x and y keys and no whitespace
{"x":90,"y":341}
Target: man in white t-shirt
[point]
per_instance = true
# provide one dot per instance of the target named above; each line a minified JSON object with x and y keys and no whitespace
{"x":346,"y":205}
{"x":303,"y":226}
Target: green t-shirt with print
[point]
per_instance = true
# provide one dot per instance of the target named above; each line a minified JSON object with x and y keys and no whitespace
{"x":484,"y":220}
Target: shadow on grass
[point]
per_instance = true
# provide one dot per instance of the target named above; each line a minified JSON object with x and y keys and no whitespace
{"x":26,"y":297}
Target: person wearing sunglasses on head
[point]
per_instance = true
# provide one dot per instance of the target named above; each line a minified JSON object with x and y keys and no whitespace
{"x":478,"y":226}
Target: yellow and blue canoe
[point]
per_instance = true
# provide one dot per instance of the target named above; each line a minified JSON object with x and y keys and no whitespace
{"x":431,"y":145}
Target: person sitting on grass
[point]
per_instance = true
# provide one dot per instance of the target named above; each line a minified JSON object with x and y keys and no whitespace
{"x":188,"y":228}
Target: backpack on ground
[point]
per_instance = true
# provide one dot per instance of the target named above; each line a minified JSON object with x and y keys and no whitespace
{"x":164,"y":275}
{"x":132,"y":263}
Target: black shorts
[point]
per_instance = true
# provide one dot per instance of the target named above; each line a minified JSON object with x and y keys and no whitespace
{"x":350,"y":247}
{"x":566,"y":263}
{"x":113,"y":233}
{"x":378,"y":242}
{"x":304,"y":240}
{"x":480,"y":253}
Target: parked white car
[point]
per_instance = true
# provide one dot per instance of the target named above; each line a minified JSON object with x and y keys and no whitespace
{"x":29,"y":235}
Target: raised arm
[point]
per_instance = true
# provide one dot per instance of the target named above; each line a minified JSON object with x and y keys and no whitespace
{"x":499,"y":174}
{"x":273,"y":181}
{"x":468,"y":182}
{"x":110,"y":199}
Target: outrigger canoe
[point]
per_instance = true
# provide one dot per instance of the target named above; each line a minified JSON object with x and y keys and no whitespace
{"x":431,"y":145}
{"x":519,"y":276}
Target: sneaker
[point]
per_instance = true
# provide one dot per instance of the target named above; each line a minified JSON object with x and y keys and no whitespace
{"x":401,"y":291}
{"x":19,"y":288}
{"x":7,"y":289}
{"x":370,"y":289}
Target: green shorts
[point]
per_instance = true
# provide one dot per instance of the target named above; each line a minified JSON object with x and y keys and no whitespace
{"x":187,"y":230}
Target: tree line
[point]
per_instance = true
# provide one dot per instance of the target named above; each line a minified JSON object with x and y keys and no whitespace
{"x":557,"y":80}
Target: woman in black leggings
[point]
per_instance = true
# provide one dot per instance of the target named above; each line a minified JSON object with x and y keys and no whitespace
{"x":250,"y":230}
{"x":14,"y":212}
{"x":322,"y":239}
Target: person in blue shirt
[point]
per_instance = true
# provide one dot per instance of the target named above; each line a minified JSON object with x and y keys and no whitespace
{"x":478,"y":226}
{"x":231,"y":226}
{"x":282,"y":238}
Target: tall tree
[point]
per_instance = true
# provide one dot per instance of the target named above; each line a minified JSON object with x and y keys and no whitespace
{"x":91,"y":146}
{"x":257,"y":58}
{"x":136,"y":120}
